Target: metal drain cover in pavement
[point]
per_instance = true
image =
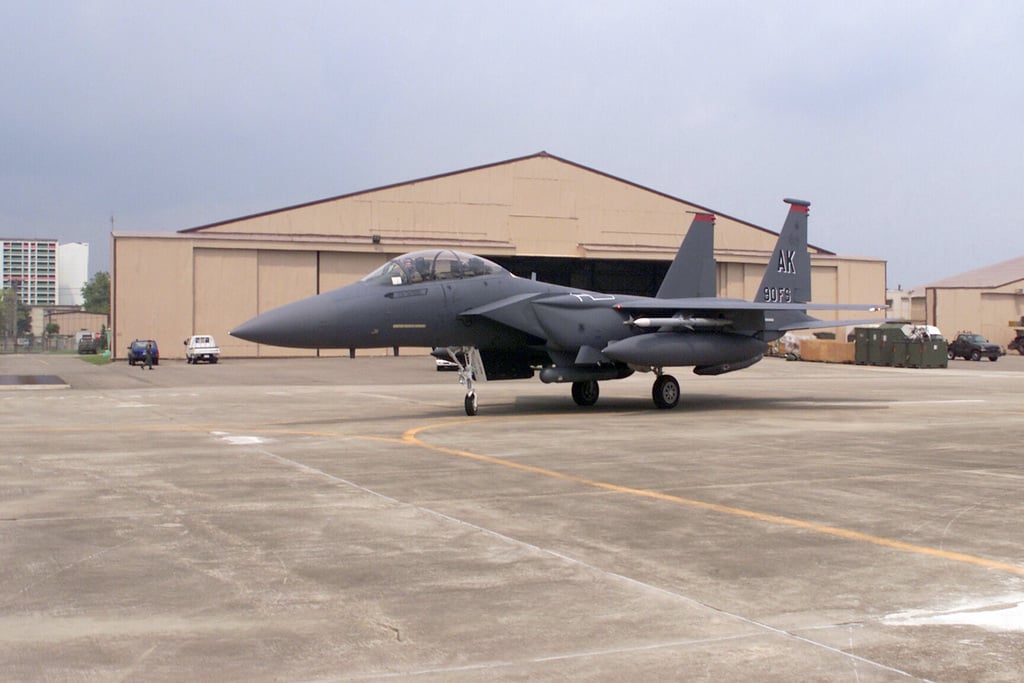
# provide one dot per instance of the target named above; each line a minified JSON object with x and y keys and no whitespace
{"x":31,"y":381}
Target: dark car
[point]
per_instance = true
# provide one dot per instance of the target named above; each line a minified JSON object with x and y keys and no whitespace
{"x":137,"y":351}
{"x":973,"y":346}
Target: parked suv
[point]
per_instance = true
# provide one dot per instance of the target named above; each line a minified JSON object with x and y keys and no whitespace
{"x":973,"y":346}
{"x":137,"y":351}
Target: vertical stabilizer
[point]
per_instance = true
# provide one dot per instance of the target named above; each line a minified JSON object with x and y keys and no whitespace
{"x":787,"y":279}
{"x":692,"y":273}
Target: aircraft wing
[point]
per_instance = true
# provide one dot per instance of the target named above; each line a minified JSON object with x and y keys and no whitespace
{"x":725,"y":305}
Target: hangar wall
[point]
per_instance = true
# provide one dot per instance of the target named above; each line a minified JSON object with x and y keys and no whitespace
{"x":152,"y":297}
{"x":988,"y":312}
{"x":222,"y":275}
{"x":211,"y":278}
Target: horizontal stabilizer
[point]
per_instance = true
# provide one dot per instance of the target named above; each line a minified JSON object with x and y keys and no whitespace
{"x":817,"y":324}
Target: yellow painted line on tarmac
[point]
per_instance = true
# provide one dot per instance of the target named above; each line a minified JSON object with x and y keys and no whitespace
{"x":412,"y":437}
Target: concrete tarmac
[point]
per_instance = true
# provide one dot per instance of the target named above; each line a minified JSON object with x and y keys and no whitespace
{"x":341,"y":519}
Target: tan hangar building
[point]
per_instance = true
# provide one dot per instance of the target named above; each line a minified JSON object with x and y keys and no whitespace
{"x":988,"y":301}
{"x":538,"y":214}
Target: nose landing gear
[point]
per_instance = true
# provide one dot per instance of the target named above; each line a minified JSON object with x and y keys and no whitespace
{"x":471,"y":367}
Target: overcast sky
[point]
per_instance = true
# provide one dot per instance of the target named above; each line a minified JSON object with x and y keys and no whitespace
{"x":901,"y":122}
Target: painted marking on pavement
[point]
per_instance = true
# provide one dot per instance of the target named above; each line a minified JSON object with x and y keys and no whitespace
{"x":411,"y":436}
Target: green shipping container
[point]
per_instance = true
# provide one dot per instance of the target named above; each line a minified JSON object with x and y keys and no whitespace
{"x":888,"y":344}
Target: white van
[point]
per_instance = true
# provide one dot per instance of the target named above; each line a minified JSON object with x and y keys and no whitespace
{"x":201,"y":347}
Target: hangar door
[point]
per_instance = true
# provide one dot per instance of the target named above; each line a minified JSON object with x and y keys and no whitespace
{"x":233,"y":285}
{"x":223,"y":294}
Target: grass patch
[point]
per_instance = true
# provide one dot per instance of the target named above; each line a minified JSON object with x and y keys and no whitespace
{"x":95,"y":359}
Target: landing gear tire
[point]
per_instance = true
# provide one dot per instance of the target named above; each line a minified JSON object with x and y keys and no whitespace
{"x":665,"y":392}
{"x":585,"y":393}
{"x":471,"y":404}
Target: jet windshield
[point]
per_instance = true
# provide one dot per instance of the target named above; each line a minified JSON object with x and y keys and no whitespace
{"x":432,"y":264}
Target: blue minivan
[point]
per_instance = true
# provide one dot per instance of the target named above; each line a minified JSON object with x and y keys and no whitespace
{"x":137,"y":351}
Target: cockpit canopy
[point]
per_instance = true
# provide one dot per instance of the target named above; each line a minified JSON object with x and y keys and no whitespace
{"x":432,"y":264}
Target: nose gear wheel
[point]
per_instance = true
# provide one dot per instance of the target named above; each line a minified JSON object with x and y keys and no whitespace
{"x":471,"y":367}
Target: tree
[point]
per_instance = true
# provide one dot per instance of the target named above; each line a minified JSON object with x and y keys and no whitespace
{"x":8,"y":312}
{"x":96,"y":293}
{"x":15,"y":319}
{"x":52,"y":329}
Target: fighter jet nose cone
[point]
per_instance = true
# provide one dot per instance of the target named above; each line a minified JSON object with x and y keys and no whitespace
{"x":260,"y":330}
{"x":322,"y":321}
{"x":302,"y":324}
{"x":249,"y":331}
{"x":276,"y":327}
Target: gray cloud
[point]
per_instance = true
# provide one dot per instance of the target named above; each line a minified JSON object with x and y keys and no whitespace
{"x":899,"y":122}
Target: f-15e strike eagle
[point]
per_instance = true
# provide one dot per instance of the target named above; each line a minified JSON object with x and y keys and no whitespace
{"x":495,"y":325}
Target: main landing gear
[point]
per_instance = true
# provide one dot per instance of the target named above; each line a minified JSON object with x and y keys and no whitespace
{"x":665,"y":391}
{"x":585,"y":392}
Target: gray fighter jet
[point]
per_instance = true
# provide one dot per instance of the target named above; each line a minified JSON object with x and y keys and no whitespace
{"x":496,"y":326}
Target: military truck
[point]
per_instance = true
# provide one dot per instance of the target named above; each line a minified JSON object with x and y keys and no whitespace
{"x":86,"y":341}
{"x":201,"y":347}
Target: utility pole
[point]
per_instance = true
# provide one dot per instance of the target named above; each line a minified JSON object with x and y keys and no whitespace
{"x":14,"y":312}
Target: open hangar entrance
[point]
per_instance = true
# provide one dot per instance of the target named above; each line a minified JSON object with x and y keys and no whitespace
{"x":619,"y":276}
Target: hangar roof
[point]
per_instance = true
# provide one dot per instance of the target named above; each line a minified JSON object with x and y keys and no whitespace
{"x":542,"y":154}
{"x":995,"y":275}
